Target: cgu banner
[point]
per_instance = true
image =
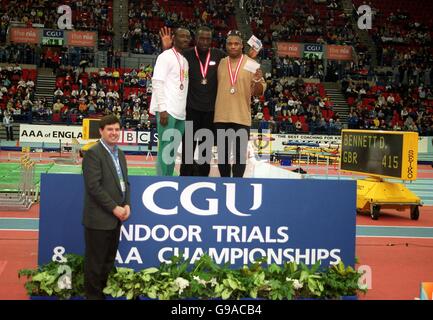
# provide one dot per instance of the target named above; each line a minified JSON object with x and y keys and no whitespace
{"x":313,"y":50}
{"x":313,"y":47}
{"x":235,"y":221}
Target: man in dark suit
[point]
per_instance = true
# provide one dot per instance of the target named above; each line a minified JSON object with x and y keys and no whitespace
{"x":106,"y":205}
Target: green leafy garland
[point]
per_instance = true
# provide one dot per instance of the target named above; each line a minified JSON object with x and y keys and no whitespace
{"x":203,"y":280}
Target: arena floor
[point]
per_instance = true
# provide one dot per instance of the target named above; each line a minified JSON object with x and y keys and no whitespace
{"x":398,"y":250}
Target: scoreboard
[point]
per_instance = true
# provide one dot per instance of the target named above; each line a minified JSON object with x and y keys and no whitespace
{"x":91,"y":129}
{"x":388,"y":154}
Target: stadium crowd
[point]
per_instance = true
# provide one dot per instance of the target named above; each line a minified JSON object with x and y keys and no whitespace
{"x":396,"y":96}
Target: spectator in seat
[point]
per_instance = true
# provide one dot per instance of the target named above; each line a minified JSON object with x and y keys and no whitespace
{"x":83,"y":107}
{"x":58,"y":93}
{"x":57,"y":107}
{"x":298,"y":126}
{"x":91,"y":107}
{"x":8,"y":124}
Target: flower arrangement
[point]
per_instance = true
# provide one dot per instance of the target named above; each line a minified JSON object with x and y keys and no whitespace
{"x":202,"y":280}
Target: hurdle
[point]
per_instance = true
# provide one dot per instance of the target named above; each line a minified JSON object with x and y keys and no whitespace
{"x":23,"y":193}
{"x":68,"y":152}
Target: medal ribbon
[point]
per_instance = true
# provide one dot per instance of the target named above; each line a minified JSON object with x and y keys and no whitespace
{"x":206,"y":67}
{"x":182,"y":70}
{"x":234,"y":78}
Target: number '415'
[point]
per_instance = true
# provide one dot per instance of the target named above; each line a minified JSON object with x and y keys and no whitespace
{"x":390,"y":162}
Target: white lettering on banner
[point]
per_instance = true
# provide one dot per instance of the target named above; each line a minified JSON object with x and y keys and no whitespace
{"x":231,"y":198}
{"x":149,"y":193}
{"x":243,"y":234}
{"x":50,"y":133}
{"x":221,"y":257}
{"x":224,"y":234}
{"x":191,"y":233}
{"x":186,"y":199}
{"x":54,"y":34}
{"x":177,"y":233}
{"x":133,"y":255}
{"x":246,"y":256}
{"x":314,"y":48}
